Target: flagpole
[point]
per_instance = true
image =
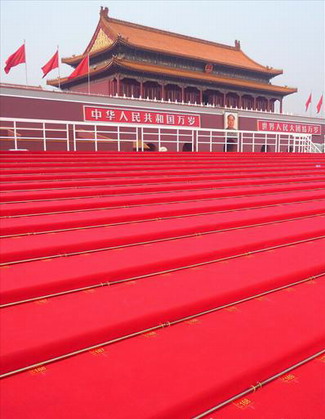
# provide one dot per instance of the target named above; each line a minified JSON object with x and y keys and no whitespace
{"x":59,"y":68}
{"x":322,"y":114}
{"x":25,"y":63}
{"x":322,"y":109}
{"x":311,"y":103}
{"x":88,"y":76}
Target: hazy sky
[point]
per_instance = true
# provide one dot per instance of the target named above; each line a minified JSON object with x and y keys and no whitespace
{"x":282,"y":34}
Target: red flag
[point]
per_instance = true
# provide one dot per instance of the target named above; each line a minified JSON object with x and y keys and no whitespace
{"x":308,"y":102}
{"x":83,"y":68}
{"x":319,"y":104}
{"x":51,"y":65}
{"x":16,"y":58}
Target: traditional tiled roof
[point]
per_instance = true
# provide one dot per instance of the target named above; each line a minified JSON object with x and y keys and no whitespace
{"x":176,"y":72}
{"x":170,"y":43}
{"x":141,"y":67}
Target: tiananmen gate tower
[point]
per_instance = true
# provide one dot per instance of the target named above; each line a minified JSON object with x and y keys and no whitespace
{"x":137,"y":61}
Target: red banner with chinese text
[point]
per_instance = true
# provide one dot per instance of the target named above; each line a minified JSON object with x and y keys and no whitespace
{"x":141,"y":117}
{"x":288,"y":127}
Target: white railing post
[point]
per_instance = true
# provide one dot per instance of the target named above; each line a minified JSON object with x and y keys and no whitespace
{"x":74,"y":137}
{"x":136,"y":138}
{"x":118,"y":139}
{"x":159,"y":139}
{"x":95,"y":132}
{"x":140,"y":131}
{"x":44,"y":136}
{"x":141,"y":138}
{"x":15,"y":135}
{"x":67,"y":136}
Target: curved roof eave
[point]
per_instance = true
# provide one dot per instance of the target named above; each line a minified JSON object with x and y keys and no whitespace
{"x":159,"y":70}
{"x":77,"y":59}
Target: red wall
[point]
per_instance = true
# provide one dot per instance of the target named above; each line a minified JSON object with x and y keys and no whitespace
{"x":55,"y":109}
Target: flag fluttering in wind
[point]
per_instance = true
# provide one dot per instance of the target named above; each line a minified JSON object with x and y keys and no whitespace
{"x":51,"y":64}
{"x":319,"y":104}
{"x":83,"y":68}
{"x":16,"y":58}
{"x":307,"y":104}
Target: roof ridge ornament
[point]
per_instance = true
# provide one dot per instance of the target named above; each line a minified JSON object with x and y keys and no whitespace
{"x":103,"y":11}
{"x":237,"y":44}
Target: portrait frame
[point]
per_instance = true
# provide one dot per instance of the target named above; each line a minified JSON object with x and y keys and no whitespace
{"x":231,"y":123}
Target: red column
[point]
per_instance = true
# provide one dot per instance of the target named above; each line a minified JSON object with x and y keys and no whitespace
{"x":118,"y":85}
{"x":163,"y":91}
{"x":201,"y":96}
{"x":183,"y":93}
{"x":254,"y":104}
{"x":239,"y":101}
{"x":271,"y":105}
{"x":281,"y":106}
{"x":141,"y":88}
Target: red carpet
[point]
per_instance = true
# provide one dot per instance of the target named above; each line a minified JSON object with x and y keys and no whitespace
{"x":297,"y":394}
{"x":182,"y":280}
